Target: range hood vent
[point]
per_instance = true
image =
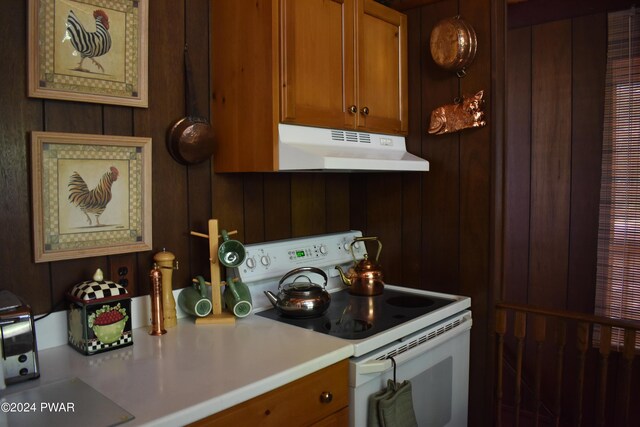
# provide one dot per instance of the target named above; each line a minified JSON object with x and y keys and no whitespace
{"x":309,"y":148}
{"x":350,"y":136}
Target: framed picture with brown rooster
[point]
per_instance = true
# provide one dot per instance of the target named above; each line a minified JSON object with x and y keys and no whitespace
{"x":89,"y":51}
{"x":91,"y":195}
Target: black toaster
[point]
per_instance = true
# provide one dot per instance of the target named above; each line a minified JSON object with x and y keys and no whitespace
{"x":17,"y":339}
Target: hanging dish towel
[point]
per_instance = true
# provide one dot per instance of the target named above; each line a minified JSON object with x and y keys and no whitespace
{"x":374,"y":401}
{"x":392,"y":407}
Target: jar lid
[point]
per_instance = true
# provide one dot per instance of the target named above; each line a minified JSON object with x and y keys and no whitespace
{"x":96,"y":289}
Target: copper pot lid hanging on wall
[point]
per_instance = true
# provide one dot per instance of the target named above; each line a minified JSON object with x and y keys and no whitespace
{"x":453,"y":44}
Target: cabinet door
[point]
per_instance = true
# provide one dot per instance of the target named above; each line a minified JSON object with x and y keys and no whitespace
{"x":317,"y":62}
{"x":382,"y":69}
{"x":299,"y":403}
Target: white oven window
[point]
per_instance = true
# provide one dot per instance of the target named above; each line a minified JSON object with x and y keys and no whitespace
{"x":439,"y":376}
{"x":432,"y":393}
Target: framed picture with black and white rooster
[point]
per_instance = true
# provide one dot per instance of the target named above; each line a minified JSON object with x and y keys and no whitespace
{"x":89,"y":51}
{"x":91,"y":195}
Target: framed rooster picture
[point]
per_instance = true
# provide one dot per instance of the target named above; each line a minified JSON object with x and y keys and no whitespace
{"x":89,"y":51}
{"x":91,"y":195}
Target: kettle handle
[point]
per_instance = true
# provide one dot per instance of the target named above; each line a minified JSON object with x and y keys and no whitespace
{"x":363,"y":239}
{"x":301,"y":269}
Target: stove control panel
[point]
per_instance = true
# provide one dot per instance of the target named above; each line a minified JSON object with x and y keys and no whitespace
{"x":272,"y":260}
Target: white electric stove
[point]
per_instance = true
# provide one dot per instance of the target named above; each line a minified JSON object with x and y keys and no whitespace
{"x":426,"y":333}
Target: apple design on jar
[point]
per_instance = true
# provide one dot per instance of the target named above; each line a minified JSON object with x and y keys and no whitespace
{"x":108,"y":323}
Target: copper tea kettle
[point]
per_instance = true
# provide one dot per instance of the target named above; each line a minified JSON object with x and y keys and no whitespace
{"x":365,"y":277}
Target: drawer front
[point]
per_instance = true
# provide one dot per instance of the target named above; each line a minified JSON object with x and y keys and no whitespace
{"x":301,"y":403}
{"x":339,"y":419}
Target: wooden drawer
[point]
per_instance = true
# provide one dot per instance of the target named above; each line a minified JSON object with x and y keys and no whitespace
{"x":339,"y":419}
{"x":298,"y":403}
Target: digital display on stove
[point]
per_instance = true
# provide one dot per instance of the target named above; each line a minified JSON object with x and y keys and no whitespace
{"x":299,"y":254}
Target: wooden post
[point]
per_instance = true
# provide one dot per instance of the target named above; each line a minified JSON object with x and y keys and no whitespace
{"x":539,"y":335}
{"x":519,"y":331}
{"x":628,"y":353}
{"x":605,"y":351}
{"x":217,"y":316}
{"x":501,"y":329}
{"x":582,"y":347}
{"x":561,"y":341}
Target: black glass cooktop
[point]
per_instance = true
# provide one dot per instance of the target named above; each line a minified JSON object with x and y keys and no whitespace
{"x":356,"y":317}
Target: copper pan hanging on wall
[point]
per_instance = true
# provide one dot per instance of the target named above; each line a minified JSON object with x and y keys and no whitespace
{"x":453,"y":44}
{"x":190,"y":140}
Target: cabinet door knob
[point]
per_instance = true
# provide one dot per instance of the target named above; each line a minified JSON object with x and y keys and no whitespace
{"x":365,"y":111}
{"x":326,"y":397}
{"x":353,"y":109}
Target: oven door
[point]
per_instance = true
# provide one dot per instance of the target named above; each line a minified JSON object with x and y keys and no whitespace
{"x":435,"y":361}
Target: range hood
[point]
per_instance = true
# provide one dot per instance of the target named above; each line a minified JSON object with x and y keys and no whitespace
{"x":309,"y":148}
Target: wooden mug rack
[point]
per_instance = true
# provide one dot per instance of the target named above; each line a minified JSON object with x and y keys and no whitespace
{"x":217,"y":316}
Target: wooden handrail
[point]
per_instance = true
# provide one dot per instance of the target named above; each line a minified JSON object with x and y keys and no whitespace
{"x":572,"y":315}
{"x":527,"y":316}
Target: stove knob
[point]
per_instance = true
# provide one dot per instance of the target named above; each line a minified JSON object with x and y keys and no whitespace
{"x":251,"y":263}
{"x":264,"y":260}
{"x":323,"y":249}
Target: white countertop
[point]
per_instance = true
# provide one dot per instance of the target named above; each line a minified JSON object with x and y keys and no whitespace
{"x":194,"y":370}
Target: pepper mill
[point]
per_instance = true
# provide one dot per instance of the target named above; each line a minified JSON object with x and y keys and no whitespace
{"x":157,"y":327}
{"x":165,"y":260}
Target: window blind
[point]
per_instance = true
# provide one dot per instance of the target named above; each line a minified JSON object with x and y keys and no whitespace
{"x":618,"y":272}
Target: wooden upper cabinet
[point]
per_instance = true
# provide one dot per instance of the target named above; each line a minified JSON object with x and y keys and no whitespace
{"x":344,"y":65}
{"x":244,"y":84}
{"x":314,"y":62}
{"x":318,"y":67}
{"x":382,"y":69}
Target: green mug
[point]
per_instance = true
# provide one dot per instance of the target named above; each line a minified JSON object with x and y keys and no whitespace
{"x":231,"y":253}
{"x":237,"y":297}
{"x":193,"y":300}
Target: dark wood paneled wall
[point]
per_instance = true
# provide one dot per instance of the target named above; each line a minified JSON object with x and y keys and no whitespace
{"x":260,"y":206}
{"x":450,"y":215}
{"x":555,"y":85}
{"x":553,"y":153}
{"x":533,"y":12}
{"x":181,"y":195}
{"x":436,"y":227}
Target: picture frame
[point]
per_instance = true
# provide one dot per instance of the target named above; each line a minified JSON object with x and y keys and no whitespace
{"x":109,"y":66}
{"x":91,"y":195}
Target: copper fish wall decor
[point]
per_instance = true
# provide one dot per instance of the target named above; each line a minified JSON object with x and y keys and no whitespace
{"x":463,"y":114}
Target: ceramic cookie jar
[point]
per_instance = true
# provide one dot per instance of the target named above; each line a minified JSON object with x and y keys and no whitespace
{"x":99,"y":316}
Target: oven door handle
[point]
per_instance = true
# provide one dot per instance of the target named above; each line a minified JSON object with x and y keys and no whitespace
{"x":374,"y":366}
